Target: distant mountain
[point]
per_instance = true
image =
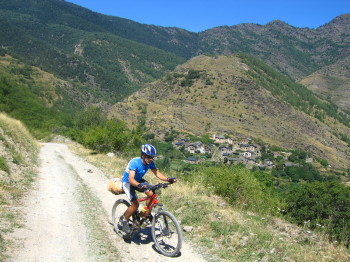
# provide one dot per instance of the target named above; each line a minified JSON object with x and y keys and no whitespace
{"x":240,"y":95}
{"x":296,"y":52}
{"x":114,"y":56}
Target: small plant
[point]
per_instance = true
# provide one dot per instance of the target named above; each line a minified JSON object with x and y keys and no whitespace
{"x":3,"y":165}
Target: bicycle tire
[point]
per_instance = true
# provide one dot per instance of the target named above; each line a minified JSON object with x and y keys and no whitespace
{"x":166,"y":233}
{"x":118,"y":211}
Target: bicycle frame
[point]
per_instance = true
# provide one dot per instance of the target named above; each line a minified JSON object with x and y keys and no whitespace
{"x":154,"y":201}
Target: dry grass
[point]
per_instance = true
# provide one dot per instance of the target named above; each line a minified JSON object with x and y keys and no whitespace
{"x":111,"y":166}
{"x":18,"y":151}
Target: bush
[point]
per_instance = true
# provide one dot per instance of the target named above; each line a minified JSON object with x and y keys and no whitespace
{"x":93,"y":130}
{"x":240,"y":186}
{"x":321,"y":204}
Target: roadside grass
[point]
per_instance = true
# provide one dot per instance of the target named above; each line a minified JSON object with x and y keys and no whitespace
{"x":230,"y":232}
{"x":91,"y":209}
{"x":111,"y":166}
{"x":234,"y":234}
{"x":19,"y":151}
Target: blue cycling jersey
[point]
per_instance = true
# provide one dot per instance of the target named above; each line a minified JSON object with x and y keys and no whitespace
{"x":139,"y":168}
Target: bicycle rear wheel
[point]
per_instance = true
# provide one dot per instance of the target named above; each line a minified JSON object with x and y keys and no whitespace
{"x":118,"y":211}
{"x":166,"y":233}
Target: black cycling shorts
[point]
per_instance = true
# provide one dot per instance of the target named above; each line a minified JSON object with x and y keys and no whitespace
{"x":130,"y":190}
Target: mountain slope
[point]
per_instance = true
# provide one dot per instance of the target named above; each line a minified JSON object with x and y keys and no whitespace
{"x":307,"y":49}
{"x":293,"y":51}
{"x":332,"y":82}
{"x":43,"y":102}
{"x":57,"y":12}
{"x":113,"y":56}
{"x":60,"y":39}
{"x":222,"y":95}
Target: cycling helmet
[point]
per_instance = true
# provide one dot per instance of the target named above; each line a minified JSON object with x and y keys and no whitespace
{"x":148,"y":150}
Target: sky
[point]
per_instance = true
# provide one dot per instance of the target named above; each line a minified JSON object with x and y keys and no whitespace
{"x":200,"y":15}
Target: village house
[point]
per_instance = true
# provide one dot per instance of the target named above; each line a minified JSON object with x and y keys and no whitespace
{"x":230,"y":141}
{"x":197,"y":147}
{"x":192,"y":160}
{"x":251,"y":161}
{"x":244,"y":147}
{"x":253,"y":147}
{"x":288,"y":164}
{"x":247,"y":154}
{"x":219,"y":139}
{"x":245,"y":140}
{"x":180,"y":144}
{"x":232,"y":160}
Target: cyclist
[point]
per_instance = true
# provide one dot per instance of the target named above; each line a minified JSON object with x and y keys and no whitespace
{"x":133,"y":180}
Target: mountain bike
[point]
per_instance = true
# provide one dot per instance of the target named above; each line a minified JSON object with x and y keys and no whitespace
{"x":165,"y":229}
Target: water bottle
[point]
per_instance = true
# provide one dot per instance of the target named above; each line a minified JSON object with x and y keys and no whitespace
{"x":143,"y":211}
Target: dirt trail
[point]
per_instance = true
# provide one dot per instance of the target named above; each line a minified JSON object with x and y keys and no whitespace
{"x":53,"y":228}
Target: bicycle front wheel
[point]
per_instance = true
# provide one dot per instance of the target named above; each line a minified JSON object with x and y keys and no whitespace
{"x":166,"y":233}
{"x":118,"y":211}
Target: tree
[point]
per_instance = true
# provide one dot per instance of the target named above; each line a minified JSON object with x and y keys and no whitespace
{"x":324,"y":163}
{"x":91,"y":116}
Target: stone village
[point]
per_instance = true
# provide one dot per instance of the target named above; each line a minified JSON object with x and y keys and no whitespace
{"x":230,"y":151}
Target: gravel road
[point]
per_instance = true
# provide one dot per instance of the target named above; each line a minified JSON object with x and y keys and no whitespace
{"x":67,"y":217}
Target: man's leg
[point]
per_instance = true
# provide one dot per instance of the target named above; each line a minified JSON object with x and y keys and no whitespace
{"x":130,"y":192}
{"x":131,"y":209}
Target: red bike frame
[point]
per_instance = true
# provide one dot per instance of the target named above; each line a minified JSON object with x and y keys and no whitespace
{"x":154,"y":201}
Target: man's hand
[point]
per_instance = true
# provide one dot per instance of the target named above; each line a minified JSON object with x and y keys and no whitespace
{"x":141,"y":186}
{"x":171,"y":180}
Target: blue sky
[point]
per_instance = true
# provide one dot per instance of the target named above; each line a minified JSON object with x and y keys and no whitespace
{"x":196,"y":16}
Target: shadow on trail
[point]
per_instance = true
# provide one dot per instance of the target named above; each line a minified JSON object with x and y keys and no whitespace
{"x":144,"y":237}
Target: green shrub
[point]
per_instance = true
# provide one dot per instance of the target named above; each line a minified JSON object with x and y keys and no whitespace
{"x":3,"y":165}
{"x":240,"y":186}
{"x":186,"y":82}
{"x":193,"y":74}
{"x":321,"y":205}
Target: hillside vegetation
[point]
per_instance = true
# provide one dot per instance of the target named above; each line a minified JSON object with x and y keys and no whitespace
{"x":72,"y":43}
{"x":18,"y":158}
{"x":332,"y":82}
{"x":240,"y":95}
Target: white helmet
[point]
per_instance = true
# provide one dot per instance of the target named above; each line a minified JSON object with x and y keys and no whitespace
{"x":148,"y":150}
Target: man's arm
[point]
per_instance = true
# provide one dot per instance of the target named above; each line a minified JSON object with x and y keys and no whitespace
{"x":160,"y":175}
{"x":132,"y":180}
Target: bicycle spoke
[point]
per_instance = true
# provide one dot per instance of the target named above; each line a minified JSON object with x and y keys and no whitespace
{"x":118,"y":212}
{"x":167,"y":235}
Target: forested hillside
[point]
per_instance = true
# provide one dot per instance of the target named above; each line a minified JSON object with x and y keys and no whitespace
{"x":73,"y":44}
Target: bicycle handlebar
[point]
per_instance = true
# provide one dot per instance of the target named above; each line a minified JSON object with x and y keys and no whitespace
{"x":158,"y":186}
